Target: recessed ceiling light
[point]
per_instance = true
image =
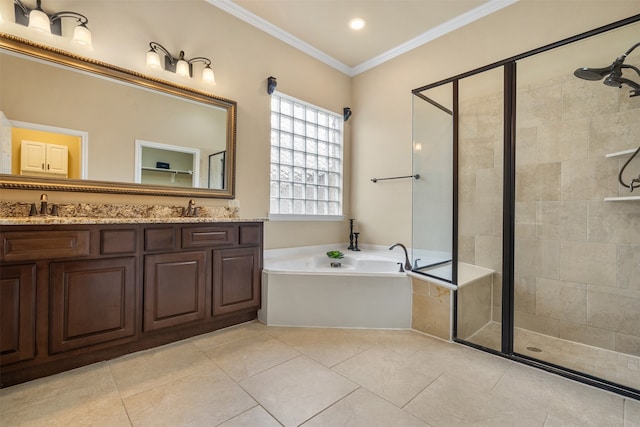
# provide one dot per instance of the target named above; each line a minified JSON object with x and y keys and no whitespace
{"x":357,"y":23}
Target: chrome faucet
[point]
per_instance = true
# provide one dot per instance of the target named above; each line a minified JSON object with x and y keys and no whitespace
{"x":407,"y":263}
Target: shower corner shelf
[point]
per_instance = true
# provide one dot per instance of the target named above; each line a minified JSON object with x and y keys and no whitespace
{"x":622,"y":199}
{"x":621,"y":153}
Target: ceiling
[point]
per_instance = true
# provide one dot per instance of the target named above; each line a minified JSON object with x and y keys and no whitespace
{"x":320,"y":27}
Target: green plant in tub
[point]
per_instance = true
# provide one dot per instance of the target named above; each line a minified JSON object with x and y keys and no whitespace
{"x":335,"y":254}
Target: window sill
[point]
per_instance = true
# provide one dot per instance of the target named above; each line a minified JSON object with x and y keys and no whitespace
{"x":287,"y":217}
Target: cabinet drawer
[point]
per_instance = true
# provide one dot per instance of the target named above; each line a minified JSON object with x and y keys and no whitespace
{"x":251,"y":234}
{"x":198,"y":237}
{"x":33,"y":245}
{"x":118,"y":241}
{"x":160,"y":239}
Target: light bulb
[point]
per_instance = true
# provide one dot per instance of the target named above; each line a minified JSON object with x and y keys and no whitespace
{"x":82,"y":36}
{"x":39,"y":21}
{"x":357,"y":24}
{"x":208,"y":76}
{"x":153,"y":60}
{"x":182,"y":68}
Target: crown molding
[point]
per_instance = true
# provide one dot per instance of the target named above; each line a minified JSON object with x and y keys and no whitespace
{"x":453,"y":24}
{"x":252,"y":19}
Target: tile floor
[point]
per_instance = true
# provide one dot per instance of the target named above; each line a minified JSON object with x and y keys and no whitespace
{"x":254,"y":375}
{"x":616,"y":367}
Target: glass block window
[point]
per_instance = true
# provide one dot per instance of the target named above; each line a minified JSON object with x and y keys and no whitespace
{"x":306,"y":159}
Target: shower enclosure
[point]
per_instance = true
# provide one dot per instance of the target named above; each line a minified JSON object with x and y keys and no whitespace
{"x":521,"y":161}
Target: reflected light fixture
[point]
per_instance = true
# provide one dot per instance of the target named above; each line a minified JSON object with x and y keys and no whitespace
{"x":346,"y":111}
{"x":39,"y":20}
{"x":181,"y":66}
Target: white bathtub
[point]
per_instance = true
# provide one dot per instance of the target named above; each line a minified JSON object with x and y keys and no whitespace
{"x":300,"y":288}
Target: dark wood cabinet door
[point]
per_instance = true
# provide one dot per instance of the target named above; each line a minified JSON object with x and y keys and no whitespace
{"x":174,"y":289}
{"x":236,"y":280}
{"x":91,"y":302}
{"x":17,"y":313}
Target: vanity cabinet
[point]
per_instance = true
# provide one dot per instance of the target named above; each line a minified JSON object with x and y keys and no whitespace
{"x":77,"y":294}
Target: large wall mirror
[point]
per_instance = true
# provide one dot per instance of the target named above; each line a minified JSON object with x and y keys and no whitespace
{"x":75,"y":124}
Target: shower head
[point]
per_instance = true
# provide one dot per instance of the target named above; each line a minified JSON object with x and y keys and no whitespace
{"x":593,"y":74}
{"x":618,"y":81}
{"x":614,"y":80}
{"x":613,"y":73}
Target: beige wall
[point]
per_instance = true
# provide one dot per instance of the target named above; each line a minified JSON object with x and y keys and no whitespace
{"x":380,"y":128}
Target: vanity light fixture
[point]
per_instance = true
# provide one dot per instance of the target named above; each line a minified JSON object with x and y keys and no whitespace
{"x":347,"y":113}
{"x":271,"y":84}
{"x":40,"y":20}
{"x":181,"y":66}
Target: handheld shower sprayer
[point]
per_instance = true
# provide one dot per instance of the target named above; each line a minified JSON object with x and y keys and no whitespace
{"x":613,"y":73}
{"x":635,"y":182}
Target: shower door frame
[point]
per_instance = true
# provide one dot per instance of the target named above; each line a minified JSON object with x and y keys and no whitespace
{"x":509,"y":208}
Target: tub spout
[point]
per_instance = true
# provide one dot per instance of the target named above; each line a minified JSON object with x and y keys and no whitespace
{"x":407,"y":263}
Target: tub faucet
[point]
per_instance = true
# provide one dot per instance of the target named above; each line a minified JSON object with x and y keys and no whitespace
{"x":407,"y":263}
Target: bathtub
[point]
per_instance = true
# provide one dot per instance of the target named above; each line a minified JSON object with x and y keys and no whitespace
{"x":300,"y":288}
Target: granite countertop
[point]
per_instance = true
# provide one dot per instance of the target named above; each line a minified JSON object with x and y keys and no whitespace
{"x":17,"y":213}
{"x":58,"y":220}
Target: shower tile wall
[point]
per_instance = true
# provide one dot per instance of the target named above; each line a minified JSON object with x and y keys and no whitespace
{"x":577,"y":274}
{"x":480,"y":195}
{"x":577,"y":266}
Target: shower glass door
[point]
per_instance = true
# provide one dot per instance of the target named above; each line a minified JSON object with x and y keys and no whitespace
{"x":432,"y":247}
{"x":577,"y":231}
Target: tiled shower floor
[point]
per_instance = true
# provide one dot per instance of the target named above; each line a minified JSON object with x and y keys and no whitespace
{"x":616,"y":367}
